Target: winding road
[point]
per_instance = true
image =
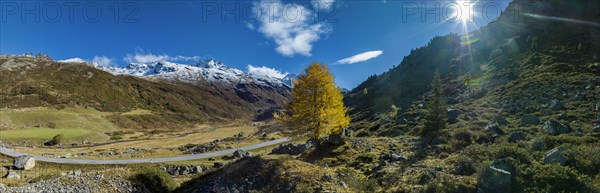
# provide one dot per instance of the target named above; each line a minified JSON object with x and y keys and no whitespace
{"x":14,"y":153}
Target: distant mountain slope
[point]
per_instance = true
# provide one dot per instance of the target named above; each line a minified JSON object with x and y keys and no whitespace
{"x":531,"y":38}
{"x":33,"y":82}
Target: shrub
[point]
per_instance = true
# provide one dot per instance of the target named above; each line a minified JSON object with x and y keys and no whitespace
{"x":366,"y":158}
{"x":57,"y":139}
{"x":155,"y":180}
{"x":553,"y":178}
{"x":51,"y":125}
{"x":464,"y":166}
{"x":586,"y":159}
{"x":461,"y":139}
{"x":446,"y":184}
{"x":555,"y":141}
{"x":504,"y":151}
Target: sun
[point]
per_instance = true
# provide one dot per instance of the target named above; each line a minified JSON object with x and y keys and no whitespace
{"x":464,"y":11}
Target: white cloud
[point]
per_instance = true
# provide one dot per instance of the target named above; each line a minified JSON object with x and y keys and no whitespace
{"x":290,"y":26}
{"x":139,"y":57}
{"x":361,"y":57}
{"x":324,"y":5}
{"x":103,"y":61}
{"x":265,"y":71}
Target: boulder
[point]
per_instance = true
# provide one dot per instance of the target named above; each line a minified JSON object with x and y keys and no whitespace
{"x":530,"y":120}
{"x":183,"y":170}
{"x":554,"y":128}
{"x":500,"y":120}
{"x":241,"y":135}
{"x":217,"y":164}
{"x":238,"y":153}
{"x":494,"y":128}
{"x":196,"y":169}
{"x":596,"y":129}
{"x":516,"y":136}
{"x":556,"y":105}
{"x":291,"y":148}
{"x":453,"y":115}
{"x":538,"y":145}
{"x":556,"y":155}
{"x":13,"y":175}
{"x":499,"y":177}
{"x":24,"y":162}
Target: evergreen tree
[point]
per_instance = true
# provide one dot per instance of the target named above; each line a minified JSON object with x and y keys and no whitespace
{"x":317,"y":105}
{"x":435,"y":119}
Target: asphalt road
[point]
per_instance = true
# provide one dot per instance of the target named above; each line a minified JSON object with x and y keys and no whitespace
{"x":14,"y":153}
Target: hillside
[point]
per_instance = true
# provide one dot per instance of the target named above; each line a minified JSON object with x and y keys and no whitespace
{"x":41,"y":82}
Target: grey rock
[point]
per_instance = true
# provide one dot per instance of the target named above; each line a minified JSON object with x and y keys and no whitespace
{"x":499,"y":177}
{"x":500,"y":120}
{"x":217,"y":164}
{"x":24,"y":162}
{"x":196,"y":169}
{"x":530,"y":120}
{"x":343,"y":184}
{"x":13,"y":175}
{"x":494,"y":128}
{"x":556,"y":105}
{"x":326,"y":177}
{"x":453,"y":115}
{"x":596,"y":129}
{"x":516,"y":136}
{"x":538,"y":145}
{"x":291,"y":148}
{"x":554,"y":128}
{"x":556,"y":155}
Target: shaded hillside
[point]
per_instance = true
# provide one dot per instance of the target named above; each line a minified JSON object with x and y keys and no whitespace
{"x":39,"y":82}
{"x":552,"y":37}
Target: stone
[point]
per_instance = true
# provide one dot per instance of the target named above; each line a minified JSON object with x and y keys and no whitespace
{"x":24,"y":162}
{"x":238,"y":153}
{"x":499,"y":177}
{"x":554,"y":128}
{"x":291,"y":148}
{"x":211,"y":159}
{"x":326,"y":177}
{"x":217,"y":164}
{"x":13,"y":175}
{"x":196,"y":169}
{"x":596,"y":129}
{"x":183,"y":170}
{"x":538,"y":145}
{"x":453,"y":115}
{"x":500,"y":120}
{"x":495,"y":128}
{"x":556,"y":155}
{"x":530,"y":120}
{"x":556,"y":105}
{"x":241,"y":135}
{"x":516,"y":136}
{"x":343,"y":184}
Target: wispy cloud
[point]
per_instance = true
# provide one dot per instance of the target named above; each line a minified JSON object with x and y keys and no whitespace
{"x":103,"y":61}
{"x":140,"y":57}
{"x":360,"y":57}
{"x":325,"y":5}
{"x":265,"y":71}
{"x":290,"y":26}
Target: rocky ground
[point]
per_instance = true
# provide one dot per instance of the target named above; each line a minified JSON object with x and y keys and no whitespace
{"x":77,"y":181}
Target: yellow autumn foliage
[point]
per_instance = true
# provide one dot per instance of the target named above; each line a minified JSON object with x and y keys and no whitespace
{"x":317,"y":104}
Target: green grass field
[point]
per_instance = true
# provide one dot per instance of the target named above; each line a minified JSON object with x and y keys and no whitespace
{"x":42,"y":133}
{"x":39,"y":124}
{"x":70,"y":118}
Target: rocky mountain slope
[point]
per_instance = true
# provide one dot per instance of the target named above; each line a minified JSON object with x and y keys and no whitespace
{"x":523,"y":113}
{"x":29,"y":81}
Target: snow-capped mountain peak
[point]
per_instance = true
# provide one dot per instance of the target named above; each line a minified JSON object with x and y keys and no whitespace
{"x":210,"y":70}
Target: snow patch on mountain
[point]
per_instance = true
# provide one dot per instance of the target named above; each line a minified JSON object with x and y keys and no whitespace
{"x":210,"y":70}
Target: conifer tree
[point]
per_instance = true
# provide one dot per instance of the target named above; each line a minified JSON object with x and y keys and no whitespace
{"x":435,"y":119}
{"x":317,"y":105}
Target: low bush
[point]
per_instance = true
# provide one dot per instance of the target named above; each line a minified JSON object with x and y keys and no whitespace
{"x":553,"y":178}
{"x":447,"y":184}
{"x":57,"y":139}
{"x":586,"y":159}
{"x":503,"y":151}
{"x":155,"y":180}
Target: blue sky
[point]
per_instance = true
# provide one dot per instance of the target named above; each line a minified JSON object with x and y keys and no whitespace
{"x":356,"y":38}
